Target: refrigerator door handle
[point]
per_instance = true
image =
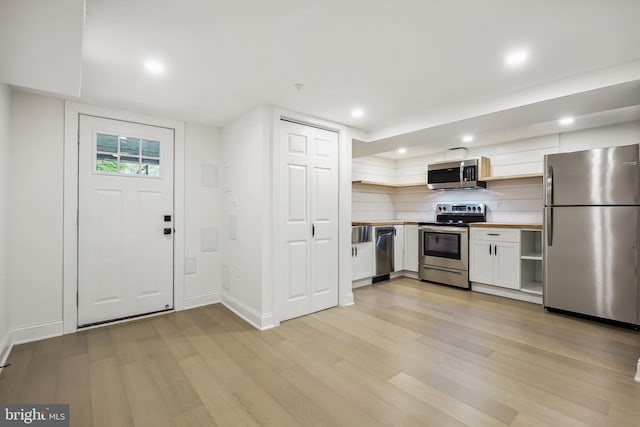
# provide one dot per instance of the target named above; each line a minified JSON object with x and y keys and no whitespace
{"x":549,"y":226}
{"x":549,"y":185}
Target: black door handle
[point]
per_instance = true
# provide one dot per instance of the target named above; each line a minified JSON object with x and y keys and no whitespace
{"x":489,"y":248}
{"x":313,"y":230}
{"x":167,"y":231}
{"x":495,"y":250}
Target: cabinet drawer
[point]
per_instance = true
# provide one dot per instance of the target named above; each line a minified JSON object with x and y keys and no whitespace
{"x":496,"y":234}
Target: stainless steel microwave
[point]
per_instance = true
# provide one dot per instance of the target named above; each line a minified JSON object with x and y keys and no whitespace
{"x":456,"y":174}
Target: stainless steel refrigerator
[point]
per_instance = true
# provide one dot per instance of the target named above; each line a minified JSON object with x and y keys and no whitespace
{"x":591,"y":226}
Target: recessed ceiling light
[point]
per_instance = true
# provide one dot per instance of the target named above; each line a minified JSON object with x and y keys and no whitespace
{"x":467,"y":138}
{"x":153,"y":66}
{"x":516,"y":58}
{"x":566,"y":121}
{"x":402,"y":150}
{"x":357,"y":112}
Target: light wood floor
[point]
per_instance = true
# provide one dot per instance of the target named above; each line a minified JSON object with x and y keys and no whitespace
{"x":408,"y":353}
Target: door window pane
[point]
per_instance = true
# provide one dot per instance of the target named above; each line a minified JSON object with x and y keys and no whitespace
{"x":129,"y":165}
{"x":106,"y":163}
{"x":130,"y":146}
{"x":150,"y":148}
{"x":107,"y":143}
{"x":150,"y":167}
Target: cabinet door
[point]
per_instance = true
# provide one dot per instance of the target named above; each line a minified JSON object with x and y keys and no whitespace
{"x":398,"y":248}
{"x":481,"y":261}
{"x":411,"y":247}
{"x":506,"y":265}
{"x":362,"y":260}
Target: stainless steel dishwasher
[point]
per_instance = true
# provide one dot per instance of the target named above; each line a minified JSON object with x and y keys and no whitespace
{"x":384,"y":252}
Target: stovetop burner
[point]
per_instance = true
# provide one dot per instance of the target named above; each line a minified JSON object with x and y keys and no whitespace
{"x":458,"y":215}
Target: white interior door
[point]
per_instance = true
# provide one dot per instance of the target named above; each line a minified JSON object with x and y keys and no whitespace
{"x":309,"y":186}
{"x":125,"y":219}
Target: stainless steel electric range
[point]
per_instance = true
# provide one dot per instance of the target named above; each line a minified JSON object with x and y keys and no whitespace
{"x":444,"y":244}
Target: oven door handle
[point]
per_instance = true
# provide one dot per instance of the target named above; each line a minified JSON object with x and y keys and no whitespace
{"x":444,"y":229}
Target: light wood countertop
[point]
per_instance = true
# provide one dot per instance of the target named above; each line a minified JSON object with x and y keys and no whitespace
{"x":505,"y":225}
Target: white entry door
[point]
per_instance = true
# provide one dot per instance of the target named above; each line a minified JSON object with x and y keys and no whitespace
{"x":125,"y":219}
{"x":309,"y":185}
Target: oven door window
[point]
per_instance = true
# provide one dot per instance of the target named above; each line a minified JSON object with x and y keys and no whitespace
{"x":442,"y":245}
{"x":444,"y":176}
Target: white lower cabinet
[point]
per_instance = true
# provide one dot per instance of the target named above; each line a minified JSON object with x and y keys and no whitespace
{"x":411,"y":247}
{"x":398,"y":247}
{"x":362,"y":260}
{"x":494,"y":257}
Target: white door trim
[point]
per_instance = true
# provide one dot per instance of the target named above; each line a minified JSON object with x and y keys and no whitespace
{"x":274,"y":299}
{"x":72,"y":110}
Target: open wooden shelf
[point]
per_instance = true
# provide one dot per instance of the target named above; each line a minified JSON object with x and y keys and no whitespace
{"x":501,"y":178}
{"x":381,"y":184}
{"x":418,"y":184}
{"x":532,"y":288}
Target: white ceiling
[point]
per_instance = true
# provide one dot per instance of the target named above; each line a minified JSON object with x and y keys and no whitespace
{"x":594,"y":108}
{"x":395,"y":59}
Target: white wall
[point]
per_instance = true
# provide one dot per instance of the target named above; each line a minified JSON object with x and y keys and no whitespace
{"x":4,"y":211}
{"x":607,"y":136}
{"x":507,"y":201}
{"x":35,"y":210}
{"x":35,"y":241}
{"x":373,"y":202}
{"x":203,"y":211}
{"x":247,"y":214}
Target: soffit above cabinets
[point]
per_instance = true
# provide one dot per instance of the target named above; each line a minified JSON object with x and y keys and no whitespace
{"x":594,"y":108}
{"x":41,"y":46}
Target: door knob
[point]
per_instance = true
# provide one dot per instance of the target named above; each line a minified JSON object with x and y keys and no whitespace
{"x":167,"y":231}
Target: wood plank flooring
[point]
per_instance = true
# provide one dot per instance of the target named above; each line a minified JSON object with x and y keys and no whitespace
{"x":407,"y":354}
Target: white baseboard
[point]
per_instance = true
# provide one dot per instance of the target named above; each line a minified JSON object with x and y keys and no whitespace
{"x":36,"y":332}
{"x":348,"y":300}
{"x":637,"y":378}
{"x":360,"y":283}
{"x":200,"y":300}
{"x":5,"y":349}
{"x":249,"y":314}
{"x":404,"y":273}
{"x":505,"y":292}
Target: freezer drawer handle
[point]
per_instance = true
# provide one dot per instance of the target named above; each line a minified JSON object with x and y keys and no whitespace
{"x":549,"y":226}
{"x":493,"y":234}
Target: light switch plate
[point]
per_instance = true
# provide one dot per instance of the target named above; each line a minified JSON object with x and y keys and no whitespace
{"x":190,"y":265}
{"x":209,"y":241}
{"x":209,"y":175}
